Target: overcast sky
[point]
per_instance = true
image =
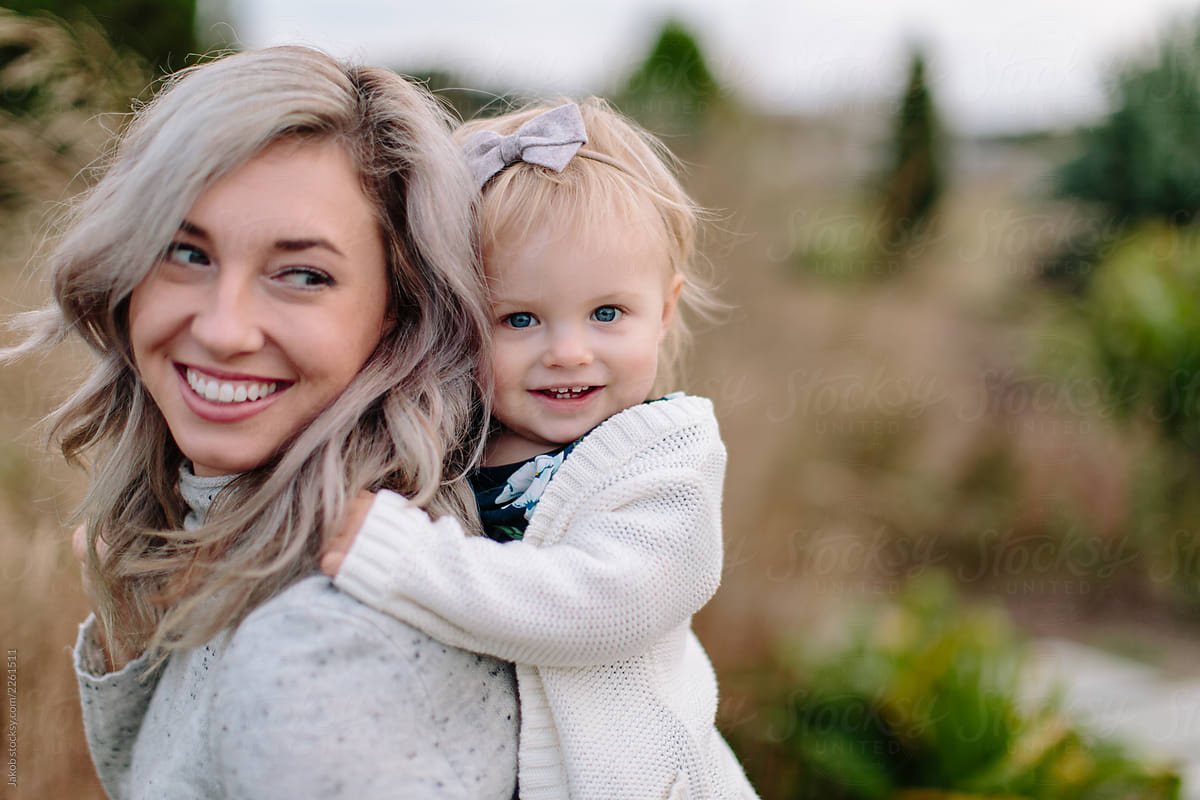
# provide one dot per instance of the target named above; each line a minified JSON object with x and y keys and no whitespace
{"x":1008,"y":65}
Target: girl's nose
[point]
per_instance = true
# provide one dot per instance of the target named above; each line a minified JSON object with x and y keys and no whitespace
{"x":227,"y":323}
{"x":568,"y":348}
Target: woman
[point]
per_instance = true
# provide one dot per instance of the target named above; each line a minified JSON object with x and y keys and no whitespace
{"x":277,"y":275}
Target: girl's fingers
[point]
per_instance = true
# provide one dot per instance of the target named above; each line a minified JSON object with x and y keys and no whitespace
{"x":334,"y":552}
{"x":356,"y":514}
{"x":331,"y":562}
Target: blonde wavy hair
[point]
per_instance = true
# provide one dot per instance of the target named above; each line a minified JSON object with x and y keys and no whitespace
{"x":621,"y":172}
{"x":409,"y":421}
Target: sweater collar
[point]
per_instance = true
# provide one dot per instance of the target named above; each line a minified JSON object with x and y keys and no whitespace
{"x":198,"y":493}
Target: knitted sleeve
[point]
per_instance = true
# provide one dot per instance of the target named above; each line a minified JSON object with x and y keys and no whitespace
{"x":639,"y":553}
{"x":114,"y":705}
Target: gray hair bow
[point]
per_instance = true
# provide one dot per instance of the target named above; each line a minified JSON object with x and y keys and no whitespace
{"x":551,"y":139}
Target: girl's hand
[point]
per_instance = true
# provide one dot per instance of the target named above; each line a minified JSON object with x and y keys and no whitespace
{"x":334,"y":552}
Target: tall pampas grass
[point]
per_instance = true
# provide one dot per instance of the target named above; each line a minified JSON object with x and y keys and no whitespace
{"x":63,"y":91}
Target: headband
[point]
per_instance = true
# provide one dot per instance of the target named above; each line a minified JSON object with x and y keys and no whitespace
{"x":551,"y":140}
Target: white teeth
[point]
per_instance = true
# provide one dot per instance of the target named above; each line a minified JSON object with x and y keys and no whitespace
{"x":566,"y":392}
{"x":217,"y":391}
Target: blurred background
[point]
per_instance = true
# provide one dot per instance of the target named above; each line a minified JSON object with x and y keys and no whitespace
{"x":959,"y":377}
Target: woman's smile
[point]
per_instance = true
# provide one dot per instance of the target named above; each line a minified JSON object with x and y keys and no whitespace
{"x":237,"y":390}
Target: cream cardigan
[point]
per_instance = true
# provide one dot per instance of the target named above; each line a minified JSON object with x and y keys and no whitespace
{"x":617,"y":697}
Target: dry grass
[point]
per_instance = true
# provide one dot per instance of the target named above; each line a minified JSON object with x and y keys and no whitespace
{"x":62,"y":87}
{"x":39,"y":581}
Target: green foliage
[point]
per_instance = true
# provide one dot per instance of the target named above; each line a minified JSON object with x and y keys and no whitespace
{"x":673,"y":90}
{"x":1142,"y":160}
{"x":920,"y":702}
{"x":1143,"y":314}
{"x":161,"y":31}
{"x":913,"y":184}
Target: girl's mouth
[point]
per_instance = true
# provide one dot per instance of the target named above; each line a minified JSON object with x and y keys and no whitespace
{"x":216,"y":390}
{"x":567,"y":392}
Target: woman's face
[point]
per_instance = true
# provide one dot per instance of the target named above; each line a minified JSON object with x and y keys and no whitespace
{"x":269,"y":300}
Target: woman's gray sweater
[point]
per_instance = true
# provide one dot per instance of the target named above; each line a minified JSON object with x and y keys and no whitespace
{"x":313,"y":696}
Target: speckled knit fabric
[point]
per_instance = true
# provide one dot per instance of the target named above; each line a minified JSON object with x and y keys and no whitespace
{"x":313,"y":696}
{"x":617,"y":697}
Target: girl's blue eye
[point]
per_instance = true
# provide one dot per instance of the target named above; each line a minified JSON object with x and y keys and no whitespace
{"x":304,"y":277}
{"x":606,"y":314}
{"x":521,"y":319}
{"x":186,"y":254}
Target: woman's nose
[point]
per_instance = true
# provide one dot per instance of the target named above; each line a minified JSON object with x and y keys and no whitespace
{"x":568,"y":348}
{"x":227,"y":322}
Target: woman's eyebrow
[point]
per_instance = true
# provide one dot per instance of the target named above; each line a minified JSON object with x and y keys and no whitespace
{"x":292,"y":245}
{"x":288,"y":245}
{"x":192,"y":229}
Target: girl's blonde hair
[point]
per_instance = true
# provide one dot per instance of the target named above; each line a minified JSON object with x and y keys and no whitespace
{"x":621,"y":172}
{"x":410,"y":419}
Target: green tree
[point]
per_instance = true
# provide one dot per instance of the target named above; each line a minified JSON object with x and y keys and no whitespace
{"x":1142,"y":161}
{"x":913,"y":182}
{"x":673,"y":90}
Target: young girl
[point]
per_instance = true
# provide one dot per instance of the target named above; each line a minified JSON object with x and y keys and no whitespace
{"x":610,"y":505}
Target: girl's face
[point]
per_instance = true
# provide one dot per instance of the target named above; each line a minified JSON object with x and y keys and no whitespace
{"x":271,"y":297}
{"x":576,"y":326}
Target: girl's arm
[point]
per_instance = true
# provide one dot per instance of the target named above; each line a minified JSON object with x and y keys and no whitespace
{"x":640,"y":555}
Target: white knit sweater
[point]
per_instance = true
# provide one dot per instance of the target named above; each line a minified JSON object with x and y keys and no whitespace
{"x":594,"y":605}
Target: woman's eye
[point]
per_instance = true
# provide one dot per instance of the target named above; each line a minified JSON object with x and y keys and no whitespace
{"x":606,"y":314}
{"x":186,"y":254}
{"x":304,"y":277}
{"x":521,"y":319}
